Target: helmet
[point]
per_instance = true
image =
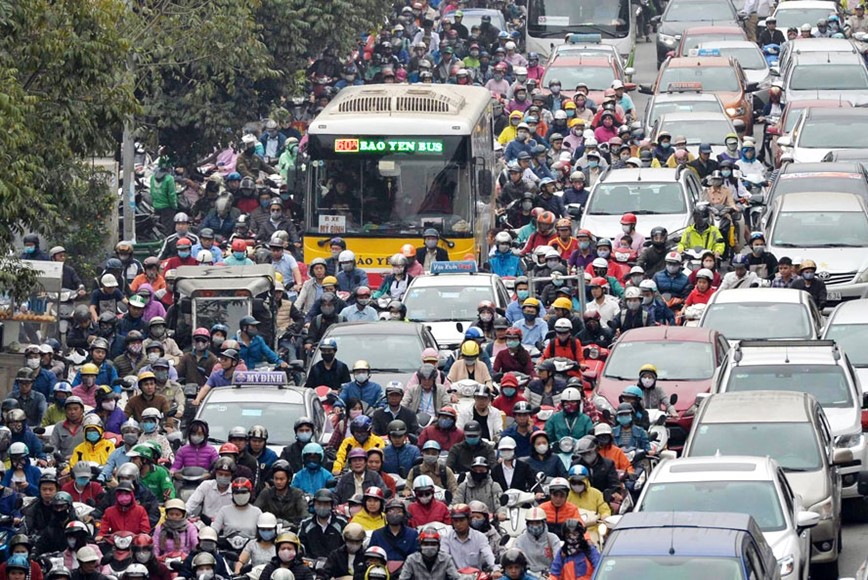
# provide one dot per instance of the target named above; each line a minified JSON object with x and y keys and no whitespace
{"x":571,"y":395}
{"x":705,"y":273}
{"x":203,"y":559}
{"x":16,"y":416}
{"x":600,"y":262}
{"x":633,"y":391}
{"x":240,"y":484}
{"x":128,"y":471}
{"x":224,"y":464}
{"x":357,"y":453}
{"x":376,"y":552}
{"x":598,"y":281}
{"x":648,"y":368}
{"x":546,"y":218}
{"x":807,"y":264}
{"x":398,"y":260}
{"x":361,"y":423}
{"x":76,"y":527}
{"x":563,"y":324}
{"x":648,"y":285}
{"x":470,"y":349}
{"x":739,"y":261}
{"x":503,"y":238}
{"x":176,"y":504}
{"x":429,"y":535}
{"x":513,"y":557}
{"x":89,"y":369}
{"x":474,"y":333}
{"x":354,"y":532}
{"x":19,"y":448}
{"x":423,"y":482}
{"x":559,"y":484}
{"x":347,"y":256}
{"x":143,"y":541}
{"x":579,"y":472}
{"x":322,"y":495}
{"x":18,"y":562}
{"x":460,"y":510}
{"x":632,"y":292}
{"x":61,"y":498}
{"x":397,"y":428}
{"x":136,"y":570}
{"x":408,"y":250}
{"x":673,"y":258}
{"x":374,"y":493}
{"x":312,"y":449}
{"x":258,"y":432}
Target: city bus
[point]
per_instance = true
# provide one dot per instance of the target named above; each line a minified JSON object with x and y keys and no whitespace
{"x":386,"y":162}
{"x":550,"y":21}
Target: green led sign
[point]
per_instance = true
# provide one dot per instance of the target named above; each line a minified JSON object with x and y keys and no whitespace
{"x":357,"y":145}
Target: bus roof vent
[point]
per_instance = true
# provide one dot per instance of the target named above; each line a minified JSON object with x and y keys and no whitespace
{"x":428,"y":102}
{"x":366,"y":102}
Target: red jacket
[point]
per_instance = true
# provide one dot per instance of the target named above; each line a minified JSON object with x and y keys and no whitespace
{"x":35,"y":571}
{"x":132,"y":519}
{"x":537,"y":239}
{"x":697,"y":297}
{"x":506,"y":404}
{"x":571,"y":350}
{"x":446,"y":439}
{"x":420,"y":514}
{"x":92,"y":491}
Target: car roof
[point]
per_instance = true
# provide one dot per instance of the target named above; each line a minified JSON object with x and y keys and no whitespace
{"x":757,"y":407}
{"x":701,"y":61}
{"x":568,"y":60}
{"x":246,"y":393}
{"x":850,"y":312}
{"x":819,"y":44}
{"x":728,"y":44}
{"x":802,"y":201}
{"x":770,"y":295}
{"x":706,"y":29}
{"x":823,"y":58}
{"x":820,"y":104}
{"x":691,"y":116}
{"x":390,"y":327}
{"x":838,"y":113}
{"x":761,"y":352}
{"x":830,"y":167}
{"x":806,"y":5}
{"x":480,"y":279}
{"x":685,"y":96}
{"x":641,"y":174}
{"x":674,"y":333}
{"x":714,"y":468}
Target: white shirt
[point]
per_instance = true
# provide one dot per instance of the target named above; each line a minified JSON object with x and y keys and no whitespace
{"x":508,"y":472}
{"x":608,"y":310}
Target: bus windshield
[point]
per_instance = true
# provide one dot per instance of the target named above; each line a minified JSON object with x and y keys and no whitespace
{"x":554,"y":18}
{"x":389,"y":185}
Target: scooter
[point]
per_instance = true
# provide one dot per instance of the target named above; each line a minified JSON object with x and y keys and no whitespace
{"x":119,"y":556}
{"x":516,"y":504}
{"x":190,"y":479}
{"x":772,"y":54}
{"x":692,"y":314}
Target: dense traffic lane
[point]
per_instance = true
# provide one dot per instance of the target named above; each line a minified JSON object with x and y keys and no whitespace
{"x":855,"y":534}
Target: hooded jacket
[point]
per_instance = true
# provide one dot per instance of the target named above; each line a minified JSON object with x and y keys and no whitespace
{"x":488,"y":492}
{"x":152,"y":307}
{"x":202,"y":455}
{"x":133,"y":518}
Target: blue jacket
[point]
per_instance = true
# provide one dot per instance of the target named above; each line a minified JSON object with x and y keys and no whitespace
{"x":29,"y":438}
{"x":128,"y":323}
{"x":640,"y":438}
{"x":281,"y":140}
{"x":514,"y":147}
{"x":661,"y":312}
{"x":398,"y":548}
{"x":554,"y":204}
{"x":114,"y":421}
{"x":32,"y":473}
{"x":257,"y":351}
{"x":505,"y":264}
{"x":311,"y":481}
{"x":266,"y":458}
{"x":44,"y":383}
{"x":514,"y":314}
{"x":678,"y":286}
{"x":349,"y":282}
{"x":573,"y":196}
{"x":115,"y":460}
{"x":220,"y":225}
{"x":552,"y":465}
{"x":401,"y":460}
{"x":106,"y":376}
{"x":370,"y":393}
{"x":522,"y":442}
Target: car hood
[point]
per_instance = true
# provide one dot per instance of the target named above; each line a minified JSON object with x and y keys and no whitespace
{"x":609,"y":226}
{"x":687,"y":390}
{"x":856,"y":98}
{"x":677,"y":28}
{"x":805,"y":155}
{"x":813,"y":486}
{"x":830,"y":259}
{"x":756,"y":76}
{"x":843,"y":421}
{"x":447,"y":334}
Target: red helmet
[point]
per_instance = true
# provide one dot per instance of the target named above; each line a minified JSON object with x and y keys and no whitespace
{"x":143,"y":541}
{"x":228,"y":448}
{"x":202,"y":332}
{"x":628,"y":218}
{"x":536,"y":212}
{"x":584,"y":233}
{"x":375,"y":492}
{"x":591,"y":315}
{"x":513,"y":332}
{"x":546,"y":218}
{"x":485,"y":305}
{"x":448,"y":411}
{"x":239,"y":245}
{"x":460,"y":510}
{"x":598,"y":281}
{"x":430,"y":534}
{"x":501,"y":67}
{"x":242,"y":484}
{"x":183,"y":243}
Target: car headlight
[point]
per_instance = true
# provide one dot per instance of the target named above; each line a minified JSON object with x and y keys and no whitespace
{"x":852,"y":440}
{"x":862,"y":277}
{"x":787,"y":565}
{"x":735,"y":111}
{"x":824,"y":508}
{"x":666,"y":39}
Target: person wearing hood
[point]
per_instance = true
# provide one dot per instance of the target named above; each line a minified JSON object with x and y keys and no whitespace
{"x":197,"y":452}
{"x":94,"y":448}
{"x":542,"y":458}
{"x":479,"y":486}
{"x":509,"y":132}
{"x":125,"y":514}
{"x":748,"y":162}
{"x":151,"y":475}
{"x":164,"y":197}
{"x":312,"y":476}
{"x":731,"y":153}
{"x":283,"y":500}
{"x":32,"y":251}
{"x":175,"y":533}
{"x":607,"y":128}
{"x":152,"y":307}
{"x":396,"y":537}
{"x":107,"y":409}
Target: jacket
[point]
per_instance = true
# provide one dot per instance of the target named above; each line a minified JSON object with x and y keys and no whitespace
{"x":494,"y":420}
{"x":678,"y":286}
{"x":522,"y":476}
{"x":506,"y":362}
{"x":558,"y":426}
{"x":163,"y":195}
{"x":421,"y":514}
{"x":256,"y":352}
{"x":333,"y":377}
{"x":639,"y":438}
{"x":96,"y":452}
{"x":346,"y":487}
{"x":291,"y":507}
{"x":299,"y":570}
{"x":337,"y":563}
{"x":190,"y":455}
{"x":348,"y":282}
{"x":446,"y":439}
{"x":576,"y":567}
{"x":415,"y":568}
{"x":132,"y":519}
{"x":550,"y":464}
{"x":604,"y":476}
{"x":319,"y":542}
{"x":488,"y":492}
{"x":442,"y":476}
{"x":138,"y":403}
{"x":351,"y":443}
{"x":188,"y":539}
{"x":461,"y":455}
{"x":459,"y":372}
{"x":369,"y":521}
{"x":505,"y":265}
{"x":370,"y":393}
{"x":710,"y":239}
{"x":397,"y":547}
{"x":310,"y":292}
{"x":590,"y":500}
{"x":31,"y":474}
{"x":413,"y":395}
{"x":400,"y":460}
{"x":383,"y":416}
{"x":311,"y":481}
{"x":144,"y":498}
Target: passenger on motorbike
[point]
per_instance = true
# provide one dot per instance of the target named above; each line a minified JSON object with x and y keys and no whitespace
{"x":125,"y":514}
{"x":585,"y":496}
{"x":503,"y":262}
{"x":345,"y":559}
{"x":152,"y":476}
{"x":77,"y":537}
{"x":395,"y":284}
{"x":362,"y":388}
{"x":542,"y":457}
{"x":576,"y":558}
{"x":289,"y":557}
{"x":654,"y":397}
{"x":143,"y":554}
{"x":94,"y":448}
{"x":627,"y":435}
{"x":150,"y":423}
{"x":701,"y":234}
{"x":603,"y":303}
{"x":372,"y":516}
{"x":520,"y":432}
{"x":240,"y":517}
{"x":205,"y":557}
{"x":760,"y":261}
{"x":429,"y":561}
{"x":400,"y":455}
{"x":607,"y":449}
{"x":397,"y":538}
{"x":469,"y":366}
{"x":80,"y":486}
{"x":594,"y":332}
{"x":741,"y":276}
{"x":313,"y":476}
{"x":20,"y":432}
{"x":603,"y":473}
{"x":635,"y":396}
{"x":175,"y":533}
{"x":40,"y":514}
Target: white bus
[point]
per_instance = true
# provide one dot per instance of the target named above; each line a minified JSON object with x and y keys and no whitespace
{"x":550,"y":21}
{"x":387,"y":162}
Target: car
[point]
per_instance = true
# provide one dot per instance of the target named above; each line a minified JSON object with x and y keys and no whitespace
{"x":392,"y":348}
{"x":715,"y":74}
{"x":794,"y":13}
{"x":762,"y":314}
{"x":817,"y":75}
{"x":806,"y":45}
{"x":666,"y":195}
{"x":751,"y":58}
{"x":848,"y":326}
{"x":685,"y":357}
{"x":682,"y":101}
{"x":711,"y":128}
{"x":597,"y":72}
{"x":817,"y":367}
{"x":859,"y":155}
{"x":587,"y":45}
{"x":792,"y":429}
{"x":473,"y":17}
{"x":687,"y":544}
{"x":680,"y":15}
{"x":791,"y":115}
{"x":841,"y":177}
{"x":695,"y":36}
{"x":818,"y":132}
{"x":831,"y":229}
{"x":753,"y":486}
{"x":447,"y":303}
{"x":262,"y":398}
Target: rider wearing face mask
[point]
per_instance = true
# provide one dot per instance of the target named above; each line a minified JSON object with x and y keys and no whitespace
{"x":304,"y":434}
{"x":542,"y":458}
{"x":479,"y":486}
{"x":260,"y":549}
{"x":241,"y":517}
{"x":514,"y":358}
{"x":625,"y":433}
{"x":205,"y":556}
{"x":126,"y":514}
{"x":347,"y":558}
{"x":462,"y":455}
{"x":443,"y":431}
{"x":362,"y":387}
{"x":143,"y":553}
{"x":312,"y":476}
{"x":654,"y":395}
{"x":328,"y":370}
{"x":760,"y":261}
{"x":509,"y":395}
{"x":94,"y":448}
{"x":360,"y":437}
{"x":212,"y":495}
{"x":570,"y":420}
{"x":198,"y":452}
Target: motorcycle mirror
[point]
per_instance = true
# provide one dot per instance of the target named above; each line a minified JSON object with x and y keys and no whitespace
{"x":673,"y":398}
{"x":540,"y":476}
{"x":39,"y":431}
{"x":176,"y":565}
{"x":505,"y":539}
{"x":504,"y":500}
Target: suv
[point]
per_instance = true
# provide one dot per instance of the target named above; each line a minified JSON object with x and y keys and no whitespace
{"x":838,"y":176}
{"x":792,"y":429}
{"x":819,"y":75}
{"x":817,"y":367}
{"x":666,"y":195}
{"x":817,"y":132}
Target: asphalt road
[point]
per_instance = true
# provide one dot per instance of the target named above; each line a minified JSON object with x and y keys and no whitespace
{"x":855,"y":534}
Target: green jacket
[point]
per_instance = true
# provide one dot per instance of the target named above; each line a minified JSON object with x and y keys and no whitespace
{"x":158,"y":481}
{"x":163,"y":194}
{"x":710,"y":239}
{"x":53,"y":415}
{"x":557,"y":427}
{"x":286,"y":163}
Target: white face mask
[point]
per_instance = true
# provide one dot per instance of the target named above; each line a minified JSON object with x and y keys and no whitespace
{"x":32,"y":363}
{"x":153,"y":356}
{"x":647,"y":382}
{"x":542,"y":448}
{"x":626,"y":228}
{"x":507,"y":454}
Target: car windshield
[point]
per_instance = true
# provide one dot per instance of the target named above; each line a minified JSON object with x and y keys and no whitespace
{"x":439,"y":303}
{"x":690,"y":11}
{"x":675,"y":360}
{"x":826,"y":382}
{"x":712,"y":78}
{"x":793,"y":116}
{"x":796,"y":16}
{"x":708,"y":131}
{"x":826,"y":134}
{"x":852,"y":338}
{"x":853,"y":183}
{"x":757,"y":498}
{"x":793,"y":445}
{"x":399,"y":353}
{"x":758,"y":320}
{"x":819,"y":229}
{"x":829,"y":77}
{"x":668,"y":568}
{"x":750,"y":58}
{"x":683,"y":107}
{"x":277,"y":417}
{"x":640,"y":198}
{"x":597,"y":78}
{"x":698,"y":40}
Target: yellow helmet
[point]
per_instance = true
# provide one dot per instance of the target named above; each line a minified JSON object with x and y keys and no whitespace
{"x":470,"y":348}
{"x":807,"y":264}
{"x":648,"y":368}
{"x":533,"y":302}
{"x":561,"y":302}
{"x":90,"y":369}
{"x":329,"y":281}
{"x":146,"y":375}
{"x":288,"y":537}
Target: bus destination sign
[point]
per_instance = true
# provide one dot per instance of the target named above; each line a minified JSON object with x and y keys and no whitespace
{"x":384,"y":146}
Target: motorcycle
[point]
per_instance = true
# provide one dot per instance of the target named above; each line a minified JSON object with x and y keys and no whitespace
{"x":544,"y":413}
{"x":190,"y":478}
{"x":772,"y":54}
{"x":692,"y":314}
{"x":726,"y":219}
{"x":692,"y":260}
{"x":230,"y":548}
{"x":65,"y":308}
{"x":565,"y":368}
{"x":515,"y":504}
{"x":119,"y":556}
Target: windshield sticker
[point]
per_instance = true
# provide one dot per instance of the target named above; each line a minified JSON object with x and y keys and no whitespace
{"x":251,"y":412}
{"x":553,"y":20}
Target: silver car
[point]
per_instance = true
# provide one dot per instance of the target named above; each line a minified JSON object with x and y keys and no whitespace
{"x":711,"y":128}
{"x":848,"y":326}
{"x":820,"y":75}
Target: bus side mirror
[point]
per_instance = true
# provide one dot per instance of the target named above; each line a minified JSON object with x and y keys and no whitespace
{"x":483,"y":178}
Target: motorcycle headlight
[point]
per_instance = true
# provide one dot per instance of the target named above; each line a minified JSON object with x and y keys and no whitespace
{"x":787,"y":565}
{"x":735,"y":111}
{"x":824,"y":508}
{"x":852,"y":440}
{"x":666,"y":39}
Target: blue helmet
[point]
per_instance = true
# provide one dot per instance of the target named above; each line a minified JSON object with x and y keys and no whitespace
{"x":18,"y":562}
{"x":739,"y":260}
{"x":312,"y":449}
{"x":63,"y":387}
{"x":328,"y":343}
{"x":633,"y":391}
{"x":473,"y":333}
{"x":361,"y":423}
{"x":579,"y":471}
{"x":220,"y":328}
{"x":234,"y":176}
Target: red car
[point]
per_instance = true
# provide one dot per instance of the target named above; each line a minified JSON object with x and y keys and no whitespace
{"x":597,"y":72}
{"x":696,"y":35}
{"x":685,"y":357}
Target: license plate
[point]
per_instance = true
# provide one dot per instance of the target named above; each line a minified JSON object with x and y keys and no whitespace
{"x":833,"y":296}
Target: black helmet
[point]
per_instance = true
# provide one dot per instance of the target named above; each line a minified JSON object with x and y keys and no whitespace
{"x":247,"y":321}
{"x":31,"y":239}
{"x":659,"y":231}
{"x":397,"y":428}
{"x":512,"y":557}
{"x":301,"y":421}
{"x":282,"y":465}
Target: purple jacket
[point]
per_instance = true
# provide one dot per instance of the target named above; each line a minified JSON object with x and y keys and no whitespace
{"x":195,"y":456}
{"x":164,"y":543}
{"x":152,"y":307}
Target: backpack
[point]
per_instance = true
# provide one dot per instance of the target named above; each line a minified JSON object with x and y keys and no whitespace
{"x":624,"y":318}
{"x":551,"y":348}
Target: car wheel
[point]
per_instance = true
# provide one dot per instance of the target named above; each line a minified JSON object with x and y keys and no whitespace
{"x":828,"y":571}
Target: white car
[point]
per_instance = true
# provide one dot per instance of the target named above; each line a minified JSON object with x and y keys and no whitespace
{"x":798,"y":12}
{"x":751,"y":485}
{"x":681,"y":102}
{"x":818,"y":75}
{"x":711,"y":128}
{"x":848,"y":326}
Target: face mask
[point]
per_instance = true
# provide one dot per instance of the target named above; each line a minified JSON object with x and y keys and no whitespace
{"x":267,"y":535}
{"x":626,"y":228}
{"x":527,"y":205}
{"x":304,"y":436}
{"x":197,"y":439}
{"x":542,"y":448}
{"x":348,"y":267}
{"x":312,"y":465}
{"x":808,"y":275}
{"x":472,"y":440}
{"x":239,"y":255}
{"x":81,"y":482}
{"x":323,"y":511}
{"x":130,"y":439}
{"x":446,"y":423}
{"x":470,"y":362}
{"x":758,"y":250}
{"x":361,"y":437}
{"x":286,"y":554}
{"x":92,"y":436}
{"x":183,"y":253}
{"x":431,"y":459}
{"x":276,"y":215}
{"x":223,"y":480}
{"x":32,"y":363}
{"x":646,"y":300}
{"x":161,"y":376}
{"x":673,"y":268}
{"x":355,"y":413}
{"x":363,"y":301}
{"x":513,"y":343}
{"x":153,"y":356}
{"x":529,"y":316}
{"x":593,"y":164}
{"x":665,"y":145}
{"x":578,"y":487}
{"x":327,"y":310}
{"x":72,"y":543}
{"x":361,"y":377}
{"x":124,"y":498}
{"x":429,"y":551}
{"x":241,"y":499}
{"x":486,"y":317}
{"x":624,"y":420}
{"x":647,"y":382}
{"x":29,"y":249}
{"x":394,"y":519}
{"x":328,"y":356}
{"x":431,"y":244}
{"x":604,"y":254}
{"x":634,"y":305}
{"x":143,"y":556}
{"x":135,"y":348}
{"x":508,"y":392}
{"x":207,"y":545}
{"x":584,"y":245}
{"x":149,"y":426}
{"x":205,"y":575}
{"x":263,"y":203}
{"x":109,"y":405}
{"x":731,"y":144}
{"x":522,"y":294}
{"x":478,"y":477}
{"x":507,"y":454}
{"x":536,"y":530}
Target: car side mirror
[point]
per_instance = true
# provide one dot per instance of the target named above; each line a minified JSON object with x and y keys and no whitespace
{"x":775,"y":70}
{"x":656,"y":19}
{"x":646,"y":89}
{"x":668,"y":454}
{"x":785,"y":141}
{"x":504,"y":499}
{"x":773,"y":131}
{"x":841,"y":456}
{"x":806,"y":520}
{"x":629,"y":71}
{"x":751,"y":87}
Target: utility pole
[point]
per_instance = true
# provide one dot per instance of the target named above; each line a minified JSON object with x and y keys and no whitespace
{"x":129,"y":190}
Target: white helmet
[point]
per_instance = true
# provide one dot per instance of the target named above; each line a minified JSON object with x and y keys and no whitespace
{"x":504,"y":443}
{"x":423,"y":482}
{"x":205,"y":257}
{"x":540,"y":253}
{"x":266,"y":520}
{"x":551,"y":252}
{"x":18,"y":448}
{"x":282,"y":574}
{"x":571,"y":395}
{"x":136,"y":570}
{"x":599,"y":263}
{"x":503,"y":238}
{"x":705,"y":273}
{"x":648,"y":285}
{"x":637,"y":270}
{"x":108,"y":281}
{"x":347,"y":256}
{"x":181,"y":217}
{"x":632,"y":292}
{"x":563,"y":324}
